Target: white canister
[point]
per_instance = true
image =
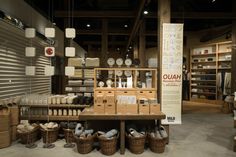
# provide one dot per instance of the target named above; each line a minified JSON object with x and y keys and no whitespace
{"x":59,"y":112}
{"x":50,"y":112}
{"x":55,"y":112}
{"x":70,"y":112}
{"x":54,"y":100}
{"x":64,"y":112}
{"x":78,"y":111}
{"x":74,"y":112}
{"x":58,"y":100}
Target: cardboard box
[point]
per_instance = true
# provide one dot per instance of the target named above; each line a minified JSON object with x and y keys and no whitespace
{"x":144,"y":109}
{"x":155,"y":108}
{"x":110,"y":108}
{"x":5,"y":139}
{"x":99,"y":99}
{"x":126,"y":93}
{"x":5,"y":119}
{"x":121,"y":108}
{"x":131,"y":109}
{"x":109,"y":98}
{"x":13,"y":133}
{"x":99,"y":108}
{"x":146,"y":94}
{"x":14,"y":110}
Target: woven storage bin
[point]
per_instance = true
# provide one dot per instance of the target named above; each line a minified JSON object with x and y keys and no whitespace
{"x":157,"y":145}
{"x":14,"y":110}
{"x":136,"y":144}
{"x":5,"y":139}
{"x":108,"y":146}
{"x":5,"y":119}
{"x":29,"y":137}
{"x":84,"y":145}
{"x":50,"y":135}
{"x":69,"y":137}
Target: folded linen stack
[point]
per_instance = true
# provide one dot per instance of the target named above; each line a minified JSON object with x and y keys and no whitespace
{"x":92,"y":62}
{"x":76,"y":62}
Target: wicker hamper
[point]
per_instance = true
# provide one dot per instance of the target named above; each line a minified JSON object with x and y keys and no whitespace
{"x":50,"y":135}
{"x":136,"y":144}
{"x":157,"y":145}
{"x":69,"y":137}
{"x":29,"y":137}
{"x":108,"y":146}
{"x":5,"y":139}
{"x":5,"y":119}
{"x":84,"y":145}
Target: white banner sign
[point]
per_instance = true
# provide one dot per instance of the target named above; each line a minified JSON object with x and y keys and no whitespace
{"x":171,"y":75}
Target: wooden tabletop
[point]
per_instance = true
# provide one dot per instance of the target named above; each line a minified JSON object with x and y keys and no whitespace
{"x":88,"y":114}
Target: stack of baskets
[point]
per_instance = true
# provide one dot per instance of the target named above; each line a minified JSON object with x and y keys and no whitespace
{"x":136,"y":144}
{"x":108,"y":145}
{"x":69,"y":137}
{"x":50,"y":135}
{"x":84,"y":145}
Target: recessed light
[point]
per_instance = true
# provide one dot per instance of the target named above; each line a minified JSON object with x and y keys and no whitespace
{"x":54,"y":23}
{"x":213,"y":1}
{"x":125,"y":26}
{"x":118,"y":49}
{"x":130,"y":47}
{"x":88,"y":25}
{"x":145,"y":12}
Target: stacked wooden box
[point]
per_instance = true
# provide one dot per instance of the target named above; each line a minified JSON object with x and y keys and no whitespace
{"x":5,"y":131}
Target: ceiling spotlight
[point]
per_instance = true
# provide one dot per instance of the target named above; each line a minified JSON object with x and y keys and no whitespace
{"x":130,"y":47}
{"x":213,"y":1}
{"x":125,"y":26}
{"x":128,"y":50}
{"x":88,"y":25}
{"x":118,"y":49}
{"x":54,"y":23}
{"x":145,"y":12}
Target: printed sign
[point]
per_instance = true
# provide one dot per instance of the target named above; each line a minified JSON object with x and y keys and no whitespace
{"x":171,"y":75}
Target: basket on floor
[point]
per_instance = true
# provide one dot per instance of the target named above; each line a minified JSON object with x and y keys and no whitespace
{"x":50,"y":135}
{"x":136,"y":144}
{"x":157,"y":145}
{"x":84,"y":145}
{"x":29,"y":137}
{"x":108,"y":146}
{"x":69,"y":137}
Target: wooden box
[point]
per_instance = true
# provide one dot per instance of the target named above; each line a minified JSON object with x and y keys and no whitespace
{"x":99,"y":99}
{"x":126,"y":93}
{"x":13,"y":133}
{"x":155,"y":108}
{"x":110,"y":108}
{"x":99,"y":108}
{"x":146,"y":94}
{"x":131,"y":109}
{"x":5,"y":119}
{"x":109,"y":97}
{"x":5,"y":137}
{"x":121,"y":108}
{"x":144,"y":109}
{"x":14,"y":110}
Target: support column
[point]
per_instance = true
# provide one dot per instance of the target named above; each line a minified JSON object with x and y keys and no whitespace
{"x":163,"y":14}
{"x":233,"y":61}
{"x":136,"y":51}
{"x":142,"y":45}
{"x":104,"y":43}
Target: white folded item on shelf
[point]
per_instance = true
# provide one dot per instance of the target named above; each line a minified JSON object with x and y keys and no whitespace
{"x":69,"y":89}
{"x":76,"y":62}
{"x":194,"y":90}
{"x":92,"y":62}
{"x":70,"y":99}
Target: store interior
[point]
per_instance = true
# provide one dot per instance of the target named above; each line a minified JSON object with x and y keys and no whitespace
{"x":117,"y":77}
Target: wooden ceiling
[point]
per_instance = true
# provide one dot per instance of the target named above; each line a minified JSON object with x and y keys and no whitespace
{"x":195,"y":14}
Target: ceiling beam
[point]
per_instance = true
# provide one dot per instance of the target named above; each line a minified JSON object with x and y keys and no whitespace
{"x":137,"y":22}
{"x":131,"y":14}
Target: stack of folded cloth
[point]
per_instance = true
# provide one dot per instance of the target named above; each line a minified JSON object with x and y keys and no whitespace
{"x":89,"y":82}
{"x":88,"y":73}
{"x":194,"y":96}
{"x":108,"y":135}
{"x":78,"y":73}
{"x":75,"y":82}
{"x":92,"y":62}
{"x":76,"y":62}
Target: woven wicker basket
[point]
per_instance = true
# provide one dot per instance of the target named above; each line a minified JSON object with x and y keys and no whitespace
{"x":157,"y":145}
{"x":29,"y":137}
{"x":69,"y":137}
{"x":50,"y":135}
{"x":108,"y":146}
{"x":136,"y":144}
{"x":84,"y":145}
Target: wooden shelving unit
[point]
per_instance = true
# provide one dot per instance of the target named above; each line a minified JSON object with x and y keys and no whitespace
{"x":206,"y":62}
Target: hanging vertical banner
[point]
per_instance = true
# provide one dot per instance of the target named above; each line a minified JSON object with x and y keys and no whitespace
{"x":171,"y":75}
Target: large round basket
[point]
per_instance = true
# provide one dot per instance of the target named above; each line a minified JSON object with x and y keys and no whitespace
{"x":69,"y":137}
{"x":50,"y":135}
{"x":136,"y":144}
{"x":84,"y":145}
{"x":157,"y":145}
{"x":108,"y":146}
{"x":29,"y":137}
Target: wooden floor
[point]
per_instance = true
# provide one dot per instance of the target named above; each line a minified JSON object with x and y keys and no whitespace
{"x":196,"y":107}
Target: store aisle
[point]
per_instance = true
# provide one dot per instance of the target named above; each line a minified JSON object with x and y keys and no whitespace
{"x":200,"y":135}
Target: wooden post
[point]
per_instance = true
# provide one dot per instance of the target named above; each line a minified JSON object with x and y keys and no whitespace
{"x":104,"y":43}
{"x":233,"y":61}
{"x":142,"y":45}
{"x":122,"y":137}
{"x":136,"y":53}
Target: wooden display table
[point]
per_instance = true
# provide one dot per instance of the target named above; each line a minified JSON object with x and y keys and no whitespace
{"x":88,"y":114}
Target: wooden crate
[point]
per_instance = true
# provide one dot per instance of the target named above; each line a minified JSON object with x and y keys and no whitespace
{"x":99,"y":108}
{"x":146,"y":94}
{"x":5,"y":119}
{"x":131,"y":109}
{"x":121,"y":108}
{"x":131,"y":93}
{"x":14,"y":110}
{"x":155,"y":108}
{"x":5,"y":137}
{"x":144,"y":108}
{"x":110,"y":108}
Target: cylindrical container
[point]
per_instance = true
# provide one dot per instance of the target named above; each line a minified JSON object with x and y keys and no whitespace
{"x":55,"y":112}
{"x":64,"y":112}
{"x":70,"y":112}
{"x":59,"y":112}
{"x":50,"y":112}
{"x":74,"y":112}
